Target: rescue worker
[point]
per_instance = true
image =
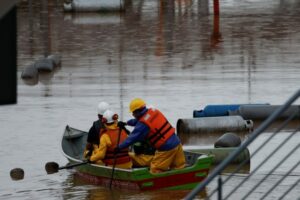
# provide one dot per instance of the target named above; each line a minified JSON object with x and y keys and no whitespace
{"x":154,"y":127}
{"x":94,"y":132}
{"x":110,"y":137}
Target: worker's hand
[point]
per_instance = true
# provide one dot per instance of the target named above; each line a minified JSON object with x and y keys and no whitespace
{"x":87,"y":153}
{"x":121,"y":124}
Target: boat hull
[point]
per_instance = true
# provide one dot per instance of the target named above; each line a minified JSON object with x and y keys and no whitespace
{"x":173,"y":182}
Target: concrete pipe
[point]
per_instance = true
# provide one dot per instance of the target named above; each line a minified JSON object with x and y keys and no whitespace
{"x":203,"y":131}
{"x":221,"y":153}
{"x":254,"y":112}
{"x":228,"y":140}
{"x":56,"y":60}
{"x":30,"y":72}
{"x":44,"y":65}
{"x":94,"y":5}
{"x":213,"y":125}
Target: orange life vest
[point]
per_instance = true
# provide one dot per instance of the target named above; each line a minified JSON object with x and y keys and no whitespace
{"x":160,"y":129}
{"x":122,"y":156}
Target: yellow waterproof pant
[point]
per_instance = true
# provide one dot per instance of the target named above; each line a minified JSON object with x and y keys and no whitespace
{"x":141,"y":160}
{"x":165,"y":160}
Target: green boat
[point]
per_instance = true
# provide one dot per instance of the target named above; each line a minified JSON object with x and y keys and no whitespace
{"x":197,"y":169}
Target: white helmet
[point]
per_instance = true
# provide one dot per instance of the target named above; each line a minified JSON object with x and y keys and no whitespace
{"x":109,"y":116}
{"x":102,"y":107}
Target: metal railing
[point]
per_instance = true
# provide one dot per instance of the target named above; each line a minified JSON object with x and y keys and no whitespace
{"x":217,"y":172}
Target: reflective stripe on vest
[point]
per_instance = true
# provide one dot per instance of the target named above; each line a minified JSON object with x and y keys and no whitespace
{"x":122,"y":156}
{"x":160,"y":129}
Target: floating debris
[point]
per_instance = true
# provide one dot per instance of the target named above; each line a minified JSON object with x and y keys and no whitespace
{"x":17,"y":174}
{"x":51,"y":167}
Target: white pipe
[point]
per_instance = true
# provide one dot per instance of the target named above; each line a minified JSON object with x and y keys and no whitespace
{"x":94,"y":5}
{"x":213,"y":125}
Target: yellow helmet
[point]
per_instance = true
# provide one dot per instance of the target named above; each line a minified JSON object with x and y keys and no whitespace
{"x":136,"y":103}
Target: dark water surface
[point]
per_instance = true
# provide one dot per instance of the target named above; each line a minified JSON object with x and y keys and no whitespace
{"x":176,"y":56}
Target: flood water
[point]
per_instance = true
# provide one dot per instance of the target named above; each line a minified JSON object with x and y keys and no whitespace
{"x":176,"y":56}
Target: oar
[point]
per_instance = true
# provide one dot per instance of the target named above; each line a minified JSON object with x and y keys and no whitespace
{"x":115,"y":160}
{"x":53,"y":167}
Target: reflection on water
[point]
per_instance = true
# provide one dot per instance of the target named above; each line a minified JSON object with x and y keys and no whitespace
{"x":244,"y":169}
{"x":92,"y":18}
{"x":75,"y":187}
{"x":179,"y":45}
{"x":174,"y":54}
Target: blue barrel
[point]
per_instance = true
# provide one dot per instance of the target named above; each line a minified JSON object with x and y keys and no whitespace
{"x":215,"y":110}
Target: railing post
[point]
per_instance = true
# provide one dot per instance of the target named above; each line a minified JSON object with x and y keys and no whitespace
{"x":220,"y":187}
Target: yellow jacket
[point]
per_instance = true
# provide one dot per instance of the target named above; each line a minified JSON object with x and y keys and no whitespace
{"x":105,"y":142}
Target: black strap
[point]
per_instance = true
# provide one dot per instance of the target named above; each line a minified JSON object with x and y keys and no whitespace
{"x":158,"y":131}
{"x":161,"y":135}
{"x":110,"y":154}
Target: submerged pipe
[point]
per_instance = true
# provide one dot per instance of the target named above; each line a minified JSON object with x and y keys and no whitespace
{"x":228,"y":140}
{"x":255,"y":112}
{"x":48,"y":63}
{"x":44,"y":65}
{"x":56,"y":60}
{"x":30,"y":72}
{"x":94,"y":5}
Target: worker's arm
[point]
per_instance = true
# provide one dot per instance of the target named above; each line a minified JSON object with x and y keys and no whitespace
{"x":138,"y":134}
{"x":99,"y":153}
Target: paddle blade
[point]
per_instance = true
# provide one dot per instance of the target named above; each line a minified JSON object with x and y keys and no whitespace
{"x":17,"y":174}
{"x":51,"y":167}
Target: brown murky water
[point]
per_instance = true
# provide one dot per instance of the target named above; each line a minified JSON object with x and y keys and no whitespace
{"x":177,"y":56}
